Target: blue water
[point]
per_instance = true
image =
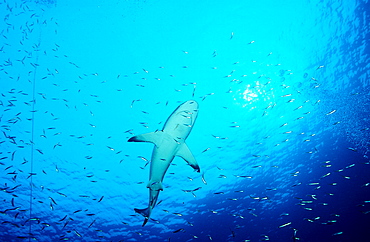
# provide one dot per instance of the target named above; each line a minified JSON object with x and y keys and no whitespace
{"x":282,"y":137}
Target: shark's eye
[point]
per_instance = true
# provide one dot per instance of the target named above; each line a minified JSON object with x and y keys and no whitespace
{"x":191,"y":102}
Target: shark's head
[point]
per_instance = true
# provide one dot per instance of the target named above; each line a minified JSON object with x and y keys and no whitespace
{"x":190,"y":108}
{"x":182,"y":119}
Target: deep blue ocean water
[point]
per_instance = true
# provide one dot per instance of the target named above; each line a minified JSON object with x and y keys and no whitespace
{"x":282,"y":136}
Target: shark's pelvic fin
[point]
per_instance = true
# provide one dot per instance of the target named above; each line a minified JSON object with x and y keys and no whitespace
{"x":155,"y":186}
{"x":186,"y":154}
{"x":153,"y":137}
{"x":145,"y":212}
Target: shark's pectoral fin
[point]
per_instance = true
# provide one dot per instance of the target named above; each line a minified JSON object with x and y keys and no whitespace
{"x":153,"y":137}
{"x":186,"y":154}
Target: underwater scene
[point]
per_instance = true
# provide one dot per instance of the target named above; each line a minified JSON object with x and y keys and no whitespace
{"x":239,"y":120}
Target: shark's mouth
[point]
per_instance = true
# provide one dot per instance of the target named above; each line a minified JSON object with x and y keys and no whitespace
{"x":187,"y":117}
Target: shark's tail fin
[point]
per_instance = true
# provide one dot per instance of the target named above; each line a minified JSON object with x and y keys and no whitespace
{"x":145,"y":212}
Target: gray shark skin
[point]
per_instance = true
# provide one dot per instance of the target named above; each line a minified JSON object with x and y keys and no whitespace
{"x":169,"y":142}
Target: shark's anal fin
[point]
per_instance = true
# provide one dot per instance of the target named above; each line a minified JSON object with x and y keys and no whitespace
{"x":186,"y":154}
{"x":153,"y":137}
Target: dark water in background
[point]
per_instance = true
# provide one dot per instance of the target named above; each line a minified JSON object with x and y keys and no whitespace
{"x":282,"y":134}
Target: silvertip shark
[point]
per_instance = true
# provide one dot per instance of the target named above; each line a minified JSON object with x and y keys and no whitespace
{"x":169,"y":142}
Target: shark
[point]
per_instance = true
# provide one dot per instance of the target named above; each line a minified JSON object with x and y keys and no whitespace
{"x":168,"y":143}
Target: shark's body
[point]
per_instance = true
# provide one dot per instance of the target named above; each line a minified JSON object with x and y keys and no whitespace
{"x":169,"y":142}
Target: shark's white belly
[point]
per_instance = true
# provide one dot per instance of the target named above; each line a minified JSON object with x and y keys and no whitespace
{"x":161,"y":158}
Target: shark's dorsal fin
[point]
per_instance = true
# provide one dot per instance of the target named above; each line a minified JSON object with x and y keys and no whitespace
{"x":186,"y":154}
{"x":153,"y":137}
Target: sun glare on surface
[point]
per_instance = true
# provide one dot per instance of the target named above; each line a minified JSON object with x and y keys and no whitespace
{"x":249,"y":94}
